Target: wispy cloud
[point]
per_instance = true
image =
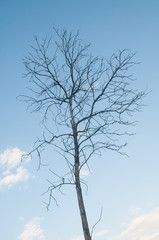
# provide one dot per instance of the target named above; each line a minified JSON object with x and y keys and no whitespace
{"x":79,"y":238}
{"x":95,"y":235}
{"x":144,"y":227}
{"x":101,"y":233}
{"x":12,"y":172}
{"x":32,"y":231}
{"x":134,"y":211}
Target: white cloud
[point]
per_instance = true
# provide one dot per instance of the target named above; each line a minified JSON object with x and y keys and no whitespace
{"x":32,"y":231}
{"x":12,"y":173}
{"x":84,"y":172}
{"x":133,"y":212}
{"x":144,"y":227}
{"x":10,"y":158}
{"x":11,"y":179}
{"x":154,"y":236}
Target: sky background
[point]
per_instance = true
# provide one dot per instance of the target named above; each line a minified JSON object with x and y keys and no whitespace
{"x":126,"y":188}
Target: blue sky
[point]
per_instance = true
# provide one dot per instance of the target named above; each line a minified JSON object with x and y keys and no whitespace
{"x":126,"y":188}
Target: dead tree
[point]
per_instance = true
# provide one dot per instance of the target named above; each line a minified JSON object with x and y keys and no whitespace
{"x":89,"y":99}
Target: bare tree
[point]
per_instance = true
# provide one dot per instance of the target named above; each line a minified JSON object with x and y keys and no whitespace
{"x":89,"y":99}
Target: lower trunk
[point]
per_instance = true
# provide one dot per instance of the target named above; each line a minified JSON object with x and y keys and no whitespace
{"x":84,"y":221}
{"x":85,"y":226}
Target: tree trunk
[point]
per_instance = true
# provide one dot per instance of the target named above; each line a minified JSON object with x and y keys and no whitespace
{"x":84,"y":220}
{"x":85,"y":226}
